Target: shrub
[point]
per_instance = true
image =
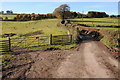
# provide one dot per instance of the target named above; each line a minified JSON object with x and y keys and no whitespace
{"x":6,"y":18}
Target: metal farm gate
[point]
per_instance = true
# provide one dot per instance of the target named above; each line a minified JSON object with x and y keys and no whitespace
{"x":4,"y":46}
{"x":28,"y":42}
{"x":61,"y":39}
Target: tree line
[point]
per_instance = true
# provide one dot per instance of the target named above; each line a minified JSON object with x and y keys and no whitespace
{"x":68,"y":15}
{"x":8,"y":12}
{"x":90,"y":14}
{"x":27,"y":17}
{"x":62,"y":12}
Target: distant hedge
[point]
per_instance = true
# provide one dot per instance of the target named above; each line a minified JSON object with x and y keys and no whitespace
{"x":28,"y":17}
{"x":94,"y":14}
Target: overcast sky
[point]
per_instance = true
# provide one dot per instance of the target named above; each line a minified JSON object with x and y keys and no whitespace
{"x":48,"y":7}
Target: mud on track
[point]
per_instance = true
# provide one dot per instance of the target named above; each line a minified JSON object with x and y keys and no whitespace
{"x":90,"y":59}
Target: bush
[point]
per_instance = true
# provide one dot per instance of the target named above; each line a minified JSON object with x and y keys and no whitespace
{"x":6,"y":18}
{"x":1,"y":18}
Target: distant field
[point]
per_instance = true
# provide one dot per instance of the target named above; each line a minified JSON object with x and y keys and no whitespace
{"x":88,"y":21}
{"x":96,"y":21}
{"x":9,"y":16}
{"x":46,"y":26}
{"x":107,"y":28}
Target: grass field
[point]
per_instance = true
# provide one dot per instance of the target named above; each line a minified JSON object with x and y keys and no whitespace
{"x":96,"y":21}
{"x":46,"y":26}
{"x":9,"y":16}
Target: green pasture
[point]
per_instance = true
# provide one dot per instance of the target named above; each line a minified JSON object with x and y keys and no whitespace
{"x":9,"y":16}
{"x":46,"y":26}
{"x":96,"y":21}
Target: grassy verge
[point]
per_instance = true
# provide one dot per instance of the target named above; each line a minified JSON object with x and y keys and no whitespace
{"x":64,"y":46}
{"x":6,"y":57}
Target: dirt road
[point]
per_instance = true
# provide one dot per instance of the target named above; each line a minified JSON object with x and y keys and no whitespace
{"x":91,"y":59}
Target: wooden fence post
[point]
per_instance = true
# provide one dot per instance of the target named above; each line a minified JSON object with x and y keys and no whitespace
{"x":9,"y":44}
{"x":70,"y":38}
{"x":25,"y":42}
{"x":50,"y":39}
{"x":38,"y":41}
